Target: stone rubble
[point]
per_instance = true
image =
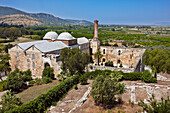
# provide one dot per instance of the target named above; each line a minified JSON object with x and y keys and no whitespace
{"x":82,"y":100}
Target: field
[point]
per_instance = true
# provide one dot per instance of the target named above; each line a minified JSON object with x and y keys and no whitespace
{"x":36,"y":90}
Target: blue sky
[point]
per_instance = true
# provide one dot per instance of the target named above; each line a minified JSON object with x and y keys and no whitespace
{"x":134,"y":12}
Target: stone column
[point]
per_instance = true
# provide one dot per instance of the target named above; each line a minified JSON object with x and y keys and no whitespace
{"x":95,"y":30}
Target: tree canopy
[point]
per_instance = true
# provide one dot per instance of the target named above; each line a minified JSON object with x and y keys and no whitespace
{"x":159,"y":59}
{"x":104,"y":89}
{"x":98,"y":55}
{"x":9,"y":101}
{"x":74,"y":60}
{"x":4,"y":63}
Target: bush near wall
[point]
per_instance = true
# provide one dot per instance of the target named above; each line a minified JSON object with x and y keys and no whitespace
{"x":2,"y":84}
{"x":42,"y":102}
{"x":133,"y":76}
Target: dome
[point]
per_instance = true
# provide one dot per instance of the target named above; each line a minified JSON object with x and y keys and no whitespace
{"x":65,"y":36}
{"x":51,"y":35}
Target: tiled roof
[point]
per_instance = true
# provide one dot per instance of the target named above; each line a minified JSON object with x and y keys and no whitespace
{"x":26,"y":45}
{"x":44,"y":46}
{"x":50,"y":46}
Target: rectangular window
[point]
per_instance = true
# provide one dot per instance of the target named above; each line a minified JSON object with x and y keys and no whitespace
{"x":17,"y":63}
{"x":32,"y":48}
{"x":33,"y":65}
{"x":17,"y":54}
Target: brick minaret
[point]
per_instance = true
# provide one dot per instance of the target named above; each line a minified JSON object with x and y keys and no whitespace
{"x":95,"y":30}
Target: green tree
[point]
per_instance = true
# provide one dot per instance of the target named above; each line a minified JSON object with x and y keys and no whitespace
{"x":8,"y":47}
{"x":10,"y":101}
{"x":73,"y":60}
{"x":104,"y":89}
{"x":15,"y":81}
{"x":4,"y":64}
{"x":48,"y":72}
{"x":156,"y":107}
{"x":98,"y":55}
{"x":27,"y":75}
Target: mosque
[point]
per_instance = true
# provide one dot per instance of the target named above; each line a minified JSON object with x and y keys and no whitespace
{"x":38,"y":55}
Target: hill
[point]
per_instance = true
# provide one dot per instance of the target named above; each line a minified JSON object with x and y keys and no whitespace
{"x":20,"y":19}
{"x":43,"y":18}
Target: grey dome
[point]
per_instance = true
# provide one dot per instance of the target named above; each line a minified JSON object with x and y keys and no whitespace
{"x":65,"y":36}
{"x":51,"y":35}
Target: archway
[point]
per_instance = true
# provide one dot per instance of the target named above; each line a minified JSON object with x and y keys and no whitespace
{"x":46,"y":65}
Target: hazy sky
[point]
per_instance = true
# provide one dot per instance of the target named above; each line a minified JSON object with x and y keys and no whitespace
{"x":106,"y":11}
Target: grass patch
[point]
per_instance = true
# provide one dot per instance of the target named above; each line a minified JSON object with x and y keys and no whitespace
{"x":36,"y":90}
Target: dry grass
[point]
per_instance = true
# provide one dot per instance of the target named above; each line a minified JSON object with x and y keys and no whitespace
{"x":36,"y":90}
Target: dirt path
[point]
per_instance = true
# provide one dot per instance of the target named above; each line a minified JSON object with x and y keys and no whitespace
{"x":71,"y":99}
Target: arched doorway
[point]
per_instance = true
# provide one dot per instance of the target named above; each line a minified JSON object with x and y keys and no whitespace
{"x":46,"y":65}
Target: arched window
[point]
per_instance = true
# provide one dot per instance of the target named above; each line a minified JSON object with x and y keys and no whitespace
{"x":119,"y":52}
{"x":33,"y":65}
{"x":118,"y":61}
{"x":17,"y":54}
{"x":104,"y":59}
{"x":104,"y":51}
{"x":33,"y":56}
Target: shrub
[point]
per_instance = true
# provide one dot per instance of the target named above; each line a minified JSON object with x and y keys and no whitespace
{"x":46,"y":80}
{"x":10,"y":101}
{"x":121,"y":66}
{"x":2,"y":83}
{"x":109,"y":63}
{"x":156,"y":107}
{"x":75,"y":87}
{"x":147,"y":77}
{"x":32,"y":82}
{"x":48,"y":72}
{"x":15,"y":81}
{"x":27,"y":75}
{"x":83,"y":79}
{"x":38,"y":81}
{"x":132,"y":76}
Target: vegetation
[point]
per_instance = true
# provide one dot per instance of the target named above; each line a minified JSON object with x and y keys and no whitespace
{"x":83,"y":80}
{"x":2,"y":83}
{"x":42,"y":102}
{"x":98,"y":55}
{"x":48,"y":72}
{"x":73,"y":60}
{"x":156,"y":107}
{"x":61,"y":76}
{"x":9,"y":101}
{"x":109,"y":63}
{"x":48,"y":75}
{"x":160,"y":59}
{"x":104,"y":89}
{"x":7,"y":47}
{"x":4,"y":64}
{"x":17,"y":80}
{"x":133,"y":76}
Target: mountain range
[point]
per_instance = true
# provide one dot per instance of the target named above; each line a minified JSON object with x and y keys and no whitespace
{"x":14,"y":16}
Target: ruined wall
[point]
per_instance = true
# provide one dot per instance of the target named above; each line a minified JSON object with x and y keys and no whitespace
{"x":85,"y":48}
{"x":128,"y":57}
